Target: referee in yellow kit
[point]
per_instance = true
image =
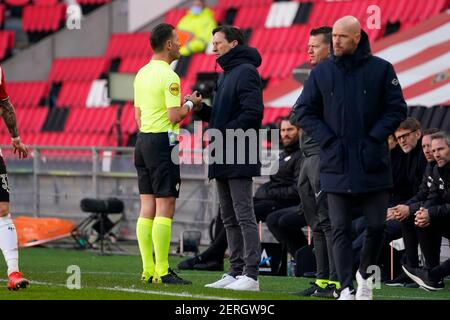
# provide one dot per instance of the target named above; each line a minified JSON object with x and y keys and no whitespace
{"x":158,"y":114}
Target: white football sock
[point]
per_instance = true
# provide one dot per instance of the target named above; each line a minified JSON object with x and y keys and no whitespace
{"x":9,"y":244}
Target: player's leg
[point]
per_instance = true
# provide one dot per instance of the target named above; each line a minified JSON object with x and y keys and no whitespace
{"x":9,"y":247}
{"x":340,"y":208}
{"x":8,"y":235}
{"x":162,"y":232}
{"x":241,"y":195}
{"x":144,"y":229}
{"x":374,"y":207}
{"x":145,"y":221}
{"x":166,"y":184}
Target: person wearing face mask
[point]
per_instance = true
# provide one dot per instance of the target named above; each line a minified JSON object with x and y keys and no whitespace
{"x":196,"y":27}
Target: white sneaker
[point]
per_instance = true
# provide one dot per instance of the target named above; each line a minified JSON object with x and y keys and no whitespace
{"x":223,"y":282}
{"x":244,"y":283}
{"x":347,"y":294}
{"x":364,"y":290}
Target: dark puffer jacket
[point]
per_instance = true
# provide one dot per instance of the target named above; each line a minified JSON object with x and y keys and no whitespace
{"x":350,"y":105}
{"x":238,"y":104}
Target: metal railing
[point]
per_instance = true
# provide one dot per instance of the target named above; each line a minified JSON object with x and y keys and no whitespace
{"x":52,"y":181}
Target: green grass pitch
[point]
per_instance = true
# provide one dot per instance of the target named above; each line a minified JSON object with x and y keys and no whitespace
{"x":117,"y":278}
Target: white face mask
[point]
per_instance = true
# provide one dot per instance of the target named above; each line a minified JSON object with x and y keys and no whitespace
{"x":196,"y":10}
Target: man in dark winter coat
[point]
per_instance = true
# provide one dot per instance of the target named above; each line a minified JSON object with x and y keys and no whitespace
{"x":314,"y":200}
{"x":271,"y":200}
{"x":238,"y":108}
{"x":350,"y":104}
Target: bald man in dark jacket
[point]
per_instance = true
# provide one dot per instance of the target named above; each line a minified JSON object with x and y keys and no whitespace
{"x":350,"y":104}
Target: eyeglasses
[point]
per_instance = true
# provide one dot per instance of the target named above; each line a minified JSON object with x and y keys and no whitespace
{"x":404,"y":136}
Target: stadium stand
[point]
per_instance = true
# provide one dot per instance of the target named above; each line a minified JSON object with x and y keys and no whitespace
{"x":7,"y":39}
{"x":78,"y":69}
{"x":418,"y":45}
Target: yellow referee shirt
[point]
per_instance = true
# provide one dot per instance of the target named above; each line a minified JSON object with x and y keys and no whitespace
{"x":156,"y":88}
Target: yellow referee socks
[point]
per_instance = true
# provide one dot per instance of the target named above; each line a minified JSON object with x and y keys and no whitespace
{"x":162,"y":229}
{"x":144,"y":228}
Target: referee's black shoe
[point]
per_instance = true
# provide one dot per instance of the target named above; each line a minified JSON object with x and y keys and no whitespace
{"x":172,"y":278}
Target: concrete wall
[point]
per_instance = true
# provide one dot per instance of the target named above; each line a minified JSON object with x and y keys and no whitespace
{"x":31,"y":64}
{"x":143,"y":12}
{"x":90,"y":40}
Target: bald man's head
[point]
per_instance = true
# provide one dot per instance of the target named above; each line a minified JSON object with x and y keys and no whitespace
{"x":346,"y":35}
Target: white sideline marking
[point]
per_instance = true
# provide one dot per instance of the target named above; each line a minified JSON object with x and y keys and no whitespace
{"x":184,"y":294}
{"x":188,"y":295}
{"x":120,"y":289}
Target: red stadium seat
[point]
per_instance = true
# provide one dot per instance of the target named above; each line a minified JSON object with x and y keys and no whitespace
{"x":186,"y":86}
{"x":282,"y":50}
{"x":127,"y":120}
{"x":27,"y":94}
{"x":272,"y":114}
{"x":129,"y":45}
{"x":91,"y":120}
{"x":30,"y":120}
{"x":43,"y":18}
{"x":73,"y":94}
{"x":275,"y":39}
{"x":2,"y":14}
{"x":202,"y":62}
{"x":174,"y":16}
{"x":251,"y":17}
{"x":6,"y":43}
{"x":45,"y":2}
{"x":219,"y":14}
{"x":17,"y":3}
{"x":280,"y":65}
{"x":78,"y":69}
{"x":242,"y":3}
{"x":133,"y":64}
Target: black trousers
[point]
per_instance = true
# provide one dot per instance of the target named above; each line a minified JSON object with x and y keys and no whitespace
{"x":442,"y":270}
{"x":411,"y":241}
{"x":374,"y":207}
{"x":430,"y":239}
{"x":217,"y":248}
{"x":315,"y":206}
{"x":286,"y":224}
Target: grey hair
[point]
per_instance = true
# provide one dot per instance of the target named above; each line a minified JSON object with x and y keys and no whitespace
{"x":441,"y":135}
